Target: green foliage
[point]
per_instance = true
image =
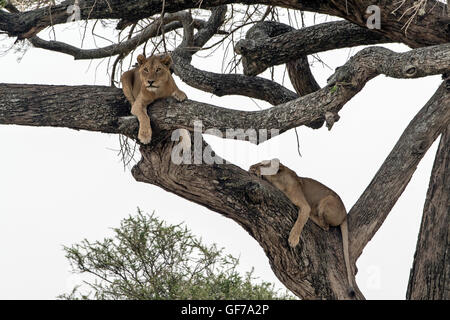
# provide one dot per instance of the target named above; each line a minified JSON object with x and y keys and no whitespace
{"x":2,"y":3}
{"x":148,"y":259}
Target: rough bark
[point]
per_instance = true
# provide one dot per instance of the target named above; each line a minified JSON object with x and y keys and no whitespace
{"x":102,"y":106}
{"x":428,"y":29}
{"x":430,"y":274}
{"x":123,"y":48}
{"x":93,"y":108}
{"x":298,"y":67}
{"x":283,"y":45}
{"x":315,"y":269}
{"x":233,"y":84}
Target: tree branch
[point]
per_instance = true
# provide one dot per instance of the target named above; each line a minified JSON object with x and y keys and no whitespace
{"x":223,"y":84}
{"x":315,"y":270}
{"x":429,"y":274}
{"x":124,"y":47}
{"x":372,"y":208}
{"x":229,"y":84}
{"x":99,"y":108}
{"x":298,"y":68}
{"x":428,"y":30}
{"x":282,"y":47}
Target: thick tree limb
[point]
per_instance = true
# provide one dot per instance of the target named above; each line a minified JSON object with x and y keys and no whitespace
{"x":98,"y":108}
{"x":429,"y":278}
{"x":372,"y":208}
{"x":229,"y":84}
{"x":281,"y":47}
{"x":298,"y":68}
{"x":299,"y":71}
{"x":423,"y":31}
{"x":92,"y":108}
{"x":315,"y":270}
{"x":301,"y":76}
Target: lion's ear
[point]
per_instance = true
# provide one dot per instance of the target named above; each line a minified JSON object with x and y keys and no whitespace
{"x":166,"y":60}
{"x":141,"y":59}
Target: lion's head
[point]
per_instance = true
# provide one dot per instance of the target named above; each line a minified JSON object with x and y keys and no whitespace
{"x":266,"y":168}
{"x":155,"y":72}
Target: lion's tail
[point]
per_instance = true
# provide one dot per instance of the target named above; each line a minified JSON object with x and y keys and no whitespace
{"x":344,"y":231}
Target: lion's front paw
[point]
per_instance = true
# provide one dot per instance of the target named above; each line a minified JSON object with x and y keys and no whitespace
{"x":179,"y":95}
{"x":293,"y":239}
{"x":145,"y":136}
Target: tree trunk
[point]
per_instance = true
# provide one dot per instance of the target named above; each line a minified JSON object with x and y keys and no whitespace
{"x":430,"y":274}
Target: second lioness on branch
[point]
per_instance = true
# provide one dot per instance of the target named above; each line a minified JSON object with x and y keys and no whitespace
{"x":314,"y":200}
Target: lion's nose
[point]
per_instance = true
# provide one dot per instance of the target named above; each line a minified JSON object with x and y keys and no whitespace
{"x":150,"y":82}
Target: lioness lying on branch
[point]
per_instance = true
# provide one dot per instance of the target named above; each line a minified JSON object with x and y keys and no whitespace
{"x":314,"y":200}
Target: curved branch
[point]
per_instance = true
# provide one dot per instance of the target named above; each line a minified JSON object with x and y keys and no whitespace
{"x":428,"y":30}
{"x":374,"y":205}
{"x":223,"y":84}
{"x":99,"y":108}
{"x":301,"y":76}
{"x":298,"y":68}
{"x":229,"y":84}
{"x":124,"y":47}
{"x":260,"y":54}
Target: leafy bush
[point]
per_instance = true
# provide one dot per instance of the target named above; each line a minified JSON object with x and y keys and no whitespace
{"x":148,"y":259}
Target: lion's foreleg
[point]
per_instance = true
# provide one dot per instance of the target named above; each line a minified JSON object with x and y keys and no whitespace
{"x":139,"y":109}
{"x":303,"y":215}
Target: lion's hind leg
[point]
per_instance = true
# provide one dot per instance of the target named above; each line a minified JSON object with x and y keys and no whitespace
{"x":330,"y":212}
{"x":127,"y":80}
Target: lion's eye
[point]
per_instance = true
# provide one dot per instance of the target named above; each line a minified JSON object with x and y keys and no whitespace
{"x":158,"y":69}
{"x":145,"y":70}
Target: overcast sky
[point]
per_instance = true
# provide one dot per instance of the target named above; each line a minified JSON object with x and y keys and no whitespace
{"x":59,"y":186}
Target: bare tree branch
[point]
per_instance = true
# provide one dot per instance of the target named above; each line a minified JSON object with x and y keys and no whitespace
{"x":372,"y":208}
{"x":124,"y":47}
{"x":259,"y":54}
{"x":229,"y":84}
{"x":429,"y":275}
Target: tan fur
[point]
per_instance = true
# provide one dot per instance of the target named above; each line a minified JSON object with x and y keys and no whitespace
{"x":314,"y":200}
{"x":149,"y":81}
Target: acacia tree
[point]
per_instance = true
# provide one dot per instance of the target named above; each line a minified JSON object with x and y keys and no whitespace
{"x":316,"y":268}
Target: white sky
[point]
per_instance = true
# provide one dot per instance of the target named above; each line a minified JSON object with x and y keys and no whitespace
{"x":59,"y":186}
